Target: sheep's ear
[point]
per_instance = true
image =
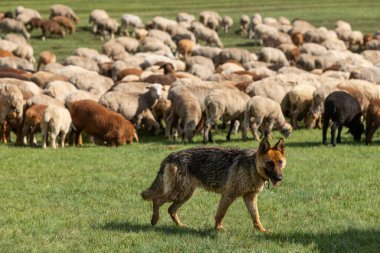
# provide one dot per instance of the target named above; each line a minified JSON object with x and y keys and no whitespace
{"x":264,"y":146}
{"x":280,"y":145}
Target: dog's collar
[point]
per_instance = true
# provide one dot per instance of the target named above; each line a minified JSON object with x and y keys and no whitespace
{"x":266,"y":184}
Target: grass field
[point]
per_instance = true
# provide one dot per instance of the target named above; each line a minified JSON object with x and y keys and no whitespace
{"x":87,"y":199}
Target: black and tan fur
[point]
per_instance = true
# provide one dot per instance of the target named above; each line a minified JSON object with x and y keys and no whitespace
{"x":230,"y":172}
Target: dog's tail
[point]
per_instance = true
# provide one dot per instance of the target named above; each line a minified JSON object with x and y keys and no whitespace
{"x":154,"y":189}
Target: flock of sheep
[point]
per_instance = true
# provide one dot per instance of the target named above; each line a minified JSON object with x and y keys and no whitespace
{"x":157,"y":76}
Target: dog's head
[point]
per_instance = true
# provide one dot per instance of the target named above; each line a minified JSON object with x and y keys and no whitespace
{"x":271,"y":160}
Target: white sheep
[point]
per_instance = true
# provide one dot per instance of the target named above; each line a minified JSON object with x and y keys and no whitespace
{"x":59,"y":89}
{"x":204,"y":16}
{"x":11,"y":100}
{"x":237,"y":54}
{"x":16,"y":38}
{"x":8,"y":45}
{"x":56,"y":121}
{"x":273,"y":55}
{"x":132,"y":105}
{"x":225,"y":104}
{"x":162,"y":23}
{"x":209,"y":52}
{"x":112,"y":48}
{"x":128,"y":20}
{"x":265,"y":113}
{"x":27,"y":88}
{"x":16,"y":63}
{"x":25,"y":51}
{"x":86,"y":52}
{"x":313,"y":49}
{"x":203,"y":33}
{"x":91,"y":81}
{"x":107,"y":27}
{"x":8,"y":25}
{"x":81,"y":61}
{"x":130,"y":44}
{"x":63,"y":10}
{"x":95,"y":16}
{"x":80,"y":95}
{"x":300,"y":97}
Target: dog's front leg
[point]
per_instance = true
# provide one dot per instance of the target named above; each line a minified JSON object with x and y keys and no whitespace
{"x":224,"y":204}
{"x":250,"y":200}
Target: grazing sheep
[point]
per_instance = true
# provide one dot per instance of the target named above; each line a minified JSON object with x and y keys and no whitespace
{"x":112,"y":48}
{"x":101,"y":123}
{"x":8,"y":25}
{"x":132,"y":105}
{"x":164,"y":37}
{"x":51,"y":27}
{"x":237,"y":54}
{"x":57,"y":121}
{"x":273,"y":55}
{"x":185,"y":17}
{"x":297,"y":39}
{"x":31,"y":123}
{"x":372,"y":120}
{"x":313,"y":49}
{"x":300,"y":97}
{"x":185,"y":48}
{"x":33,"y":23}
{"x":186,"y":111}
{"x":16,"y":38}
{"x":91,"y":81}
{"x":79,"y":95}
{"x":16,"y":63}
{"x":225,"y":104}
{"x":264,"y":112}
{"x":130,"y":20}
{"x":162,"y":23}
{"x":63,"y":10}
{"x":8,"y":45}
{"x":244,"y":25}
{"x":42,"y":99}
{"x":65,"y":23}
{"x":204,"y":16}
{"x":130,"y":44}
{"x":203,"y":33}
{"x":209,"y":52}
{"x":107,"y":27}
{"x":343,"y":110}
{"x":167,"y":79}
{"x":95,"y":16}
{"x":27,"y":89}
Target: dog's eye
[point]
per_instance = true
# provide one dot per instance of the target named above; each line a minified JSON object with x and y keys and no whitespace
{"x":280,"y":162}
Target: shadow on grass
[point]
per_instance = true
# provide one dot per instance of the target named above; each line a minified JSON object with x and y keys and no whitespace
{"x":351,"y":240}
{"x":129,"y":227}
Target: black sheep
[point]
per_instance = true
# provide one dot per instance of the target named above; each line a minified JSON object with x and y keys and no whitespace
{"x":343,"y":110}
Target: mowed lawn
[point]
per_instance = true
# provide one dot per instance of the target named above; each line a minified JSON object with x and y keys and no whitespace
{"x":87,"y":199}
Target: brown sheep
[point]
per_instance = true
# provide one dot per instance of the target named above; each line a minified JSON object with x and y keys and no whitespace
{"x":127,"y":72}
{"x":11,"y":123}
{"x":31,"y":123}
{"x":51,"y":27}
{"x":167,"y":79}
{"x":46,"y":57}
{"x":297,"y":39}
{"x":65,"y":23}
{"x":33,"y":23}
{"x":5,"y":53}
{"x":103,"y":124}
{"x":372,"y":120}
{"x":185,"y":48}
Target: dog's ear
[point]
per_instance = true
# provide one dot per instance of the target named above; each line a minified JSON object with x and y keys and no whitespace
{"x":264,"y":146}
{"x":280,"y":145}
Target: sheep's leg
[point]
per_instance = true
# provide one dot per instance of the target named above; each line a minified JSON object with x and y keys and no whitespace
{"x":44,"y":135}
{"x":338,"y":139}
{"x":267,"y":131}
{"x":232,"y":123}
{"x":169,"y":121}
{"x":370,"y":130}
{"x":63,"y":138}
{"x":294,"y":117}
{"x":53,"y":137}
{"x":324,"y":131}
{"x":207,"y":137}
{"x":334,"y":126}
{"x":255,"y":128}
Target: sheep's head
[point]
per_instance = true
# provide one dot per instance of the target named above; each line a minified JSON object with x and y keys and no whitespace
{"x":168,"y":68}
{"x":286,"y":129}
{"x":155,"y":90}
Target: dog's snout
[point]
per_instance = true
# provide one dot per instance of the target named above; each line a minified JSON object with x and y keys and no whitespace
{"x":278,"y":177}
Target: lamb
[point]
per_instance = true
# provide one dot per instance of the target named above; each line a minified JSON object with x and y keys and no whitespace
{"x":132,"y":105}
{"x":101,"y":123}
{"x":83,"y":62}
{"x":31,"y":123}
{"x":63,"y":10}
{"x":372,"y":120}
{"x":130,"y":20}
{"x":8,"y":25}
{"x":46,"y":57}
{"x":226,"y":104}
{"x":300,"y":97}
{"x":343,"y":110}
{"x":186,"y":110}
{"x":264,"y":112}
{"x":65,"y":23}
{"x":203,"y":33}
{"x":273,"y":55}
{"x":57,"y":121}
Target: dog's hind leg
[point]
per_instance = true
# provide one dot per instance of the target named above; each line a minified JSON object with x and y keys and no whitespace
{"x":224,"y":204}
{"x":250,"y":200}
{"x":173,"y":209}
{"x":156,"y":210}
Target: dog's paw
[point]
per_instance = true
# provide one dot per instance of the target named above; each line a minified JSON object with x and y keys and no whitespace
{"x":220,"y":228}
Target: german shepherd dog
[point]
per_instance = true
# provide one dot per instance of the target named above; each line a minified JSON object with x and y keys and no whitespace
{"x":230,"y":172}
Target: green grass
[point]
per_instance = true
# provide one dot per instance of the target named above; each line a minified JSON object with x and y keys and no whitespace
{"x":87,"y":200}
